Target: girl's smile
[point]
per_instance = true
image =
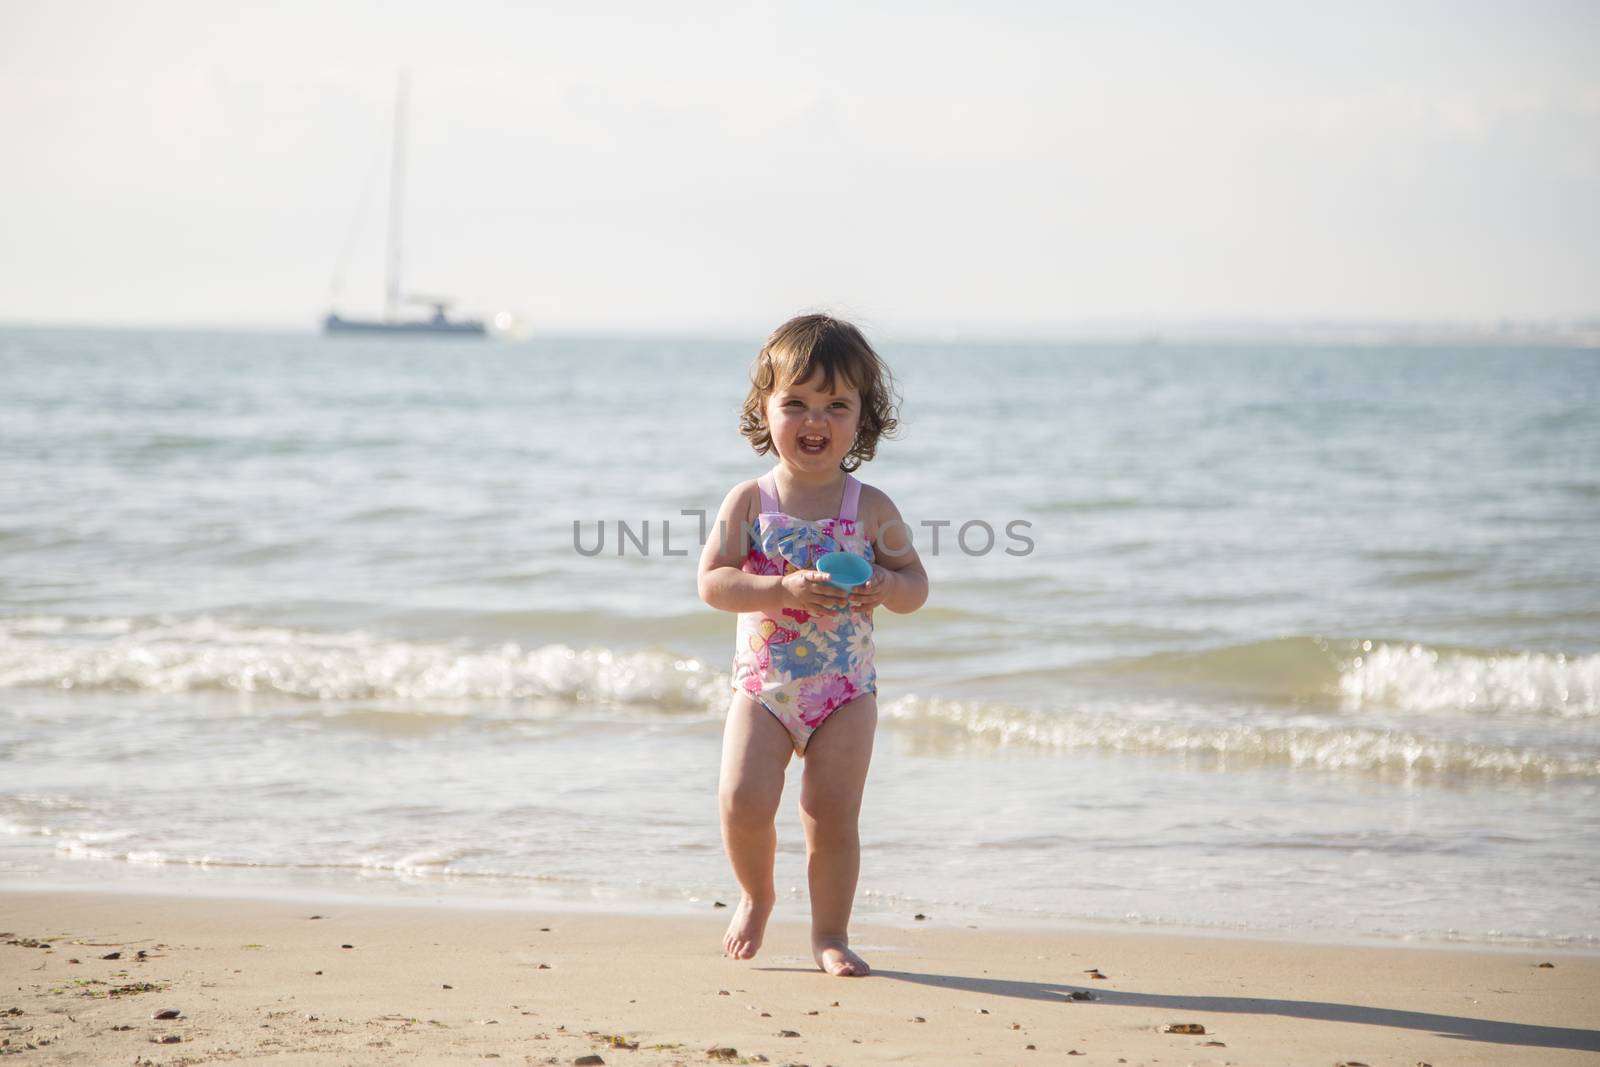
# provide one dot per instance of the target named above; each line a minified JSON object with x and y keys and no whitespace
{"x":813,"y":427}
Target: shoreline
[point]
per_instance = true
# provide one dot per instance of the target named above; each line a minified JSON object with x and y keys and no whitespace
{"x":634,"y":903}
{"x":469,"y":894}
{"x":537,"y":984}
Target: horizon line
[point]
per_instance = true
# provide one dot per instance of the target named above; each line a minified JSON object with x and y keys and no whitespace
{"x":1579,"y":330}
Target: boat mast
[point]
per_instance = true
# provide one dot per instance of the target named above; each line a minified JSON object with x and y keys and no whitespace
{"x":397,"y":169}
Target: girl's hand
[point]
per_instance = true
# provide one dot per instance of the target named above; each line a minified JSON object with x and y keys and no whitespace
{"x":811,"y":591}
{"x":870,"y":593}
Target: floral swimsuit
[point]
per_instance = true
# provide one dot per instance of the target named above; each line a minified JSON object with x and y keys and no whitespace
{"x":803,"y":666}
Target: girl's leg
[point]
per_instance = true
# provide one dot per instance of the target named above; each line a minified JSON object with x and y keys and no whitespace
{"x":836,"y":763}
{"x":755,"y":750}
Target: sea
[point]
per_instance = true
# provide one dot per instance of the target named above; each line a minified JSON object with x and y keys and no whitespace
{"x":1292,"y":639}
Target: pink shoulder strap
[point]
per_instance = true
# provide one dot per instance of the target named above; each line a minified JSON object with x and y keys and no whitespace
{"x":769,"y":493}
{"x":852,"y":498}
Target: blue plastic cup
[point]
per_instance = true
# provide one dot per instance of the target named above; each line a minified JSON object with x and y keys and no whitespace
{"x":845,"y":569}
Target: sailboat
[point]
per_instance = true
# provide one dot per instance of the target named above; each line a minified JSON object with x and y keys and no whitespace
{"x":440,"y":323}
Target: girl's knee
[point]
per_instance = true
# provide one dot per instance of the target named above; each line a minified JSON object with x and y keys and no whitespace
{"x":831,"y":817}
{"x":832,"y":836}
{"x":743,"y":802}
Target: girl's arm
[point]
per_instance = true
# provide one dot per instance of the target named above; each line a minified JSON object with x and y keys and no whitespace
{"x":899,"y":581}
{"x":722,"y":582}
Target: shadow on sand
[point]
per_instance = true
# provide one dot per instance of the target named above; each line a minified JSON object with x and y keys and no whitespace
{"x":1452,"y":1026}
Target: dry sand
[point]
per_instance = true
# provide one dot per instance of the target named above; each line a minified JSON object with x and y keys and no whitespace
{"x":373,"y":983}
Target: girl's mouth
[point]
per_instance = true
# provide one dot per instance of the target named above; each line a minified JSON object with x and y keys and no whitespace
{"x":813,"y":444}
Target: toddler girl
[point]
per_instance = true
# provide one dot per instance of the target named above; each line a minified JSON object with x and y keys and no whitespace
{"x":803,"y":676}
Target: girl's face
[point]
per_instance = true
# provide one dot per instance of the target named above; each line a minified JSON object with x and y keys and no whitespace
{"x":812,"y":428}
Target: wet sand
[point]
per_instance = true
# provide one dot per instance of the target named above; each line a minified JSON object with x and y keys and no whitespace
{"x":374,"y":983}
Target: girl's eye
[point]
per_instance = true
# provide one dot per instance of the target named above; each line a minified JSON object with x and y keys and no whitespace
{"x":791,"y":403}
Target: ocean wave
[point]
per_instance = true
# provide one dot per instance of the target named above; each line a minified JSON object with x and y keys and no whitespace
{"x":1187,"y":702}
{"x":1401,"y":675}
{"x":209,"y":654}
{"x":440,"y":864}
{"x":1288,"y":669}
{"x":1326,"y":745}
{"x":1417,"y":678}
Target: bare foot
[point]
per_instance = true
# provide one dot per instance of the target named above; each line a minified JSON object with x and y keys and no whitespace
{"x":833,"y":955}
{"x":747,"y":927}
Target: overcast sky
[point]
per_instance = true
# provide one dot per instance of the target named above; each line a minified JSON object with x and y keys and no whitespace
{"x":710,"y":167}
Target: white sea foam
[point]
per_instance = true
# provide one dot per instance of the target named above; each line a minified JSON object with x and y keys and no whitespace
{"x":1418,"y":678}
{"x":1368,"y":672}
{"x":1324,"y":745}
{"x":206,"y":653}
{"x":209,"y":654}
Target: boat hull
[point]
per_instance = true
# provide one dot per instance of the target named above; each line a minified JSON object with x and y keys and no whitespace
{"x":333,"y":324}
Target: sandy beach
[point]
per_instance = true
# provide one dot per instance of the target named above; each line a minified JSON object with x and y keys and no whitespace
{"x":86,"y":974}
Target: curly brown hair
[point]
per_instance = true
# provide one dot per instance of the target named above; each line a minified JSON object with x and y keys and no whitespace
{"x":810,"y":344}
